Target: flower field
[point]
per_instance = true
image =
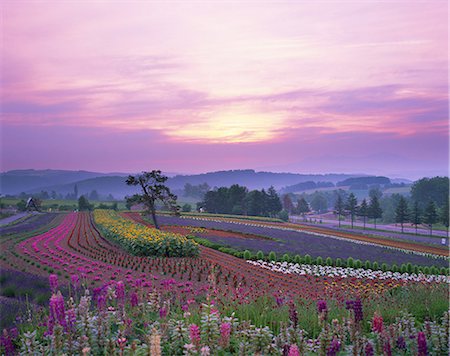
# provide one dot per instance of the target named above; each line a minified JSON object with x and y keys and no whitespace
{"x":210,"y":304}
{"x":285,"y":240}
{"x":142,"y":240}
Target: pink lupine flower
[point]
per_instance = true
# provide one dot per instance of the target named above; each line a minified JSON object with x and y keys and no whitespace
{"x":134,"y":300}
{"x":162,"y":312}
{"x":120,"y":291}
{"x":225,"y":331}
{"x":377,"y":323}
{"x":293,"y":351}
{"x":57,"y":312}
{"x":53,"y":280}
{"x":194,"y":333}
{"x":205,"y":351}
{"x":74,"y":280}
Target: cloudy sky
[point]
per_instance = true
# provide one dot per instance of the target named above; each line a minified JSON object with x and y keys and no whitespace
{"x":196,"y":86}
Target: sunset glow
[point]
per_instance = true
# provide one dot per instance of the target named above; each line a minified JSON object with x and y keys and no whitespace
{"x":295,"y":86}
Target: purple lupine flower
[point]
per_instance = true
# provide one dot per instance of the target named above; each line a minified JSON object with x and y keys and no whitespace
{"x":368,"y":349}
{"x":279,"y":301}
{"x":401,"y":343}
{"x":322,"y":306}
{"x":334,"y":348}
{"x":422,"y":349}
{"x":75,"y":280}
{"x":387,"y":348}
{"x":71,"y":318}
{"x":358,"y":310}
{"x":134,"y":300}
{"x":194,"y":334}
{"x":7,"y":344}
{"x":293,"y":315}
{"x":225,"y":331}
{"x":53,"y":281}
{"x":349,"y":305}
{"x":57,"y":311}
{"x":101,"y":302}
{"x":120,"y":291}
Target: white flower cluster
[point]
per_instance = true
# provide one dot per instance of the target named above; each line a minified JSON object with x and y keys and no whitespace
{"x":346,"y":272}
{"x":359,"y":242}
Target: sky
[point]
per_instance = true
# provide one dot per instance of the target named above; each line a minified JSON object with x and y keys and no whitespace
{"x":198,"y":86}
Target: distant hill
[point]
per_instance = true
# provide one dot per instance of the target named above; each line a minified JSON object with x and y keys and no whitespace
{"x":253,"y":180}
{"x":364,"y":181}
{"x":17,"y":181}
{"x":63,"y":182}
{"x":300,"y":187}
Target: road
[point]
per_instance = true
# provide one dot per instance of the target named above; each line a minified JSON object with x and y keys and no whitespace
{"x":390,"y":230}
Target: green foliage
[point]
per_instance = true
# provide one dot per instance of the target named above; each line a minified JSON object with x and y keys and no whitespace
{"x":368,"y":265}
{"x":358,"y":264}
{"x":283,"y":215}
{"x":319,"y":261}
{"x":298,"y":259}
{"x":260,"y":255}
{"x":350,"y":262}
{"x":338,"y":262}
{"x":286,"y":258}
{"x":308,"y":259}
{"x":430,"y":216}
{"x":375,"y":211}
{"x":247,"y":254}
{"x":401,"y":212}
{"x":329,"y":261}
{"x":319,"y":203}
{"x":302,"y":206}
{"x":352,"y":206}
{"x":186,"y":208}
{"x":22,"y":205}
{"x":83,"y":204}
{"x":272,"y":256}
{"x":431,"y":189}
{"x":153,"y":190}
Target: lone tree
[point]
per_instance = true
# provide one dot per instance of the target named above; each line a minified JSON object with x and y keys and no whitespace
{"x":401,"y":212}
{"x":339,"y":208}
{"x":352,"y":206}
{"x":363,"y":211}
{"x":153,"y":189}
{"x":83,"y":204}
{"x":430,"y":216}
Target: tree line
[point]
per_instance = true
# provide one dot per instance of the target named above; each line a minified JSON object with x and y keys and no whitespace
{"x":238,"y":200}
{"x":428,"y":204}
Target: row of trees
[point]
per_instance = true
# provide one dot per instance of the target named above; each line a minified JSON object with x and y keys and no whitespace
{"x":238,"y":200}
{"x":403,"y":213}
{"x":416,"y":215}
{"x":45,"y":195}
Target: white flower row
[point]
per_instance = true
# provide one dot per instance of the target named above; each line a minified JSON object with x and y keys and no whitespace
{"x":359,"y":242}
{"x":346,"y":272}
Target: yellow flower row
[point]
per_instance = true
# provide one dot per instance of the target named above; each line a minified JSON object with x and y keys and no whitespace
{"x":143,"y":240}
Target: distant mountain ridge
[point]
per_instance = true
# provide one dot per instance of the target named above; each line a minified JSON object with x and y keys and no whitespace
{"x":62,"y":182}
